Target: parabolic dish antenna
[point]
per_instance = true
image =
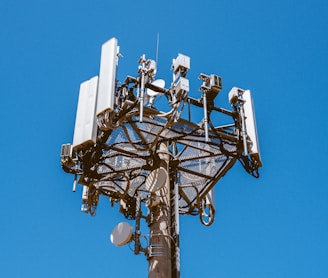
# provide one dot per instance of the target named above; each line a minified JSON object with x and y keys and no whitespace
{"x":156,"y":179}
{"x":159,"y":83}
{"x":121,"y":234}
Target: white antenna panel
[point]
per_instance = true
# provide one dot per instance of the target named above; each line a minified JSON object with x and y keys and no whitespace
{"x":251,"y":125}
{"x":107,"y":76}
{"x":121,"y":234}
{"x":85,"y":131}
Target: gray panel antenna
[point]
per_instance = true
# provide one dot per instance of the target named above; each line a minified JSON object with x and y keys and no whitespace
{"x":107,"y":76}
{"x":85,"y":130}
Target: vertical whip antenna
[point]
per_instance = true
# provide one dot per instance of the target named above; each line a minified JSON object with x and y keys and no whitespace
{"x":157,"y":47}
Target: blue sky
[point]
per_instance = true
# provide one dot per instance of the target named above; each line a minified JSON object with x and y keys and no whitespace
{"x":275,"y":226}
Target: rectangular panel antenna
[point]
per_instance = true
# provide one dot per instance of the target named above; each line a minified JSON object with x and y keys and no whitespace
{"x":251,"y":126}
{"x":107,"y":76}
{"x":85,"y":131}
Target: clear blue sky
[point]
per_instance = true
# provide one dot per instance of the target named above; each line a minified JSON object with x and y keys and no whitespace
{"x":275,"y":226}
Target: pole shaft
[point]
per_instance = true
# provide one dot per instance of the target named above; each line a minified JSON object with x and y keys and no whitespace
{"x":161,"y":242}
{"x":175,"y":233}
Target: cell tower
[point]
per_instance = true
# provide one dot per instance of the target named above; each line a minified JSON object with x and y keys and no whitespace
{"x":156,"y":164}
